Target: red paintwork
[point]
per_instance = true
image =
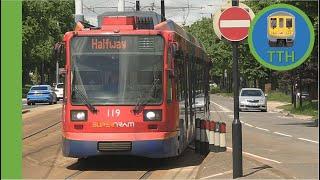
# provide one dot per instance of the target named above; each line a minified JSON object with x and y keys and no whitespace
{"x":142,"y":136}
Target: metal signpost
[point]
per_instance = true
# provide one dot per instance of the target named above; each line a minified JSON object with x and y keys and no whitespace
{"x":234,"y":23}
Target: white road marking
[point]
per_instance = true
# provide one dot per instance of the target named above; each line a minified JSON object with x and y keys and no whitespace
{"x":219,"y":111}
{"x":262,"y":129}
{"x":248,"y":124}
{"x":234,"y":23}
{"x":221,"y":107}
{"x":256,"y":156}
{"x":303,"y":139}
{"x":282,"y":134}
{"x":272,"y":112}
{"x":230,"y":115}
{"x":215,"y":175}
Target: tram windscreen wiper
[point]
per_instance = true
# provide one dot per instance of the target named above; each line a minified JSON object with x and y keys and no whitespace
{"x":84,"y":99}
{"x":141,"y":101}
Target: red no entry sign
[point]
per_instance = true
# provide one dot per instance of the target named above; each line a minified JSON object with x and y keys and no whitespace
{"x":234,"y":23}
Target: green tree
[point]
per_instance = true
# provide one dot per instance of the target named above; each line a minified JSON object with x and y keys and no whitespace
{"x":43,"y":24}
{"x":251,"y":71}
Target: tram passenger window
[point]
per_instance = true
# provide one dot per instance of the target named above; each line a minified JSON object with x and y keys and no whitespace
{"x":273,"y":22}
{"x":289,"y":22}
{"x":169,"y":88}
{"x":179,"y":79}
{"x":281,"y":22}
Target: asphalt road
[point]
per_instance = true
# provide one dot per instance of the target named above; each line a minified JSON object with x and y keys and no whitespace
{"x":288,"y":144}
{"x":25,"y":106}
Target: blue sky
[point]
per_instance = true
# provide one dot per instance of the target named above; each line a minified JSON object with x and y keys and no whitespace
{"x":181,"y":15}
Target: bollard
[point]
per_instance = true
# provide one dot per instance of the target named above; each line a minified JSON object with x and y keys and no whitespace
{"x":223,"y":137}
{"x":197,"y":142}
{"x":217,"y":137}
{"x":202,"y":136}
{"x":211,"y":136}
{"x":207,"y":136}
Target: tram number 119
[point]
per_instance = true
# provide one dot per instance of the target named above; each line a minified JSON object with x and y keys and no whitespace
{"x":113,"y":113}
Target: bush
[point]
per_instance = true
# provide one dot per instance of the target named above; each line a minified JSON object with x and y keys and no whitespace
{"x":25,"y":90}
{"x":214,"y":90}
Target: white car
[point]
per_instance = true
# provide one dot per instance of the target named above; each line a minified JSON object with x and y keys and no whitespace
{"x":199,"y":102}
{"x":252,"y":99}
{"x":59,"y":90}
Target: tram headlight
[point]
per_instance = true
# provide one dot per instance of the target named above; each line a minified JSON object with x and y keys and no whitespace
{"x":152,"y":115}
{"x":78,"y":115}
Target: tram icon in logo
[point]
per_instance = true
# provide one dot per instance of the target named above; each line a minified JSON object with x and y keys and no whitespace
{"x":281,"y":29}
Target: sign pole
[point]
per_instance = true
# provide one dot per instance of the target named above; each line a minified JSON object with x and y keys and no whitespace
{"x":236,"y":124}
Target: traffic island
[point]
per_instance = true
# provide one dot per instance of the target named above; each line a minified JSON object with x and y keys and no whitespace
{"x":219,"y":165}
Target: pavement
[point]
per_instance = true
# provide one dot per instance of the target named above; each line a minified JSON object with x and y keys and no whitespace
{"x":274,"y":106}
{"x":219,"y":166}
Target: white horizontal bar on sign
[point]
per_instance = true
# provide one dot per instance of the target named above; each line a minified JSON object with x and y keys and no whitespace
{"x":234,"y":23}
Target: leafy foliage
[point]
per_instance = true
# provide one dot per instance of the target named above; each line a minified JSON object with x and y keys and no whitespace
{"x":250,"y":70}
{"x":43,"y":24}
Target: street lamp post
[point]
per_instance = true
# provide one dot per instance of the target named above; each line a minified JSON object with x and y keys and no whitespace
{"x":57,"y":71}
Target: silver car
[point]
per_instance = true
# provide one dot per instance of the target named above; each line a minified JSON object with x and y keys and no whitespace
{"x":199,"y":102}
{"x":252,"y":99}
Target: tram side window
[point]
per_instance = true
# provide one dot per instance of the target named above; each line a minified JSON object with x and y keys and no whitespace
{"x":289,"y":22}
{"x":179,"y":78}
{"x":273,"y":22}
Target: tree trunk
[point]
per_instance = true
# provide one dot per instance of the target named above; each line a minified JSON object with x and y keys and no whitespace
{"x":300,"y":89}
{"x":292,"y":92}
{"x":42,"y":73}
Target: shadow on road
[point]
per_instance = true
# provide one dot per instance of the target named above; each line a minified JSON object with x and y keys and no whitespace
{"x":257,"y":169}
{"x":132,"y":163}
{"x":313,"y":123}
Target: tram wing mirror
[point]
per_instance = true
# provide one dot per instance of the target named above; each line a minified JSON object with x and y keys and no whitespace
{"x":58,"y":50}
{"x":174,"y":49}
{"x":62,"y":71}
{"x":170,"y":73}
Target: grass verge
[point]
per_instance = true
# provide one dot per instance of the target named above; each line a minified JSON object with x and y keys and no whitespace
{"x":278,"y":96}
{"x":308,"y":108}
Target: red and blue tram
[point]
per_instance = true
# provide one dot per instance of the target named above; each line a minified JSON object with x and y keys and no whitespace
{"x":131,"y":87}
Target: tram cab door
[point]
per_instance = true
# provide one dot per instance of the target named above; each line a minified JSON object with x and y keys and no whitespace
{"x":169,"y":73}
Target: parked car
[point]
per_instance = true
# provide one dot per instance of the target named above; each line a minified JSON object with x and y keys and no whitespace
{"x":41,"y":94}
{"x":199,"y":102}
{"x":58,"y":89}
{"x":252,"y":99}
{"x":305,"y":95}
